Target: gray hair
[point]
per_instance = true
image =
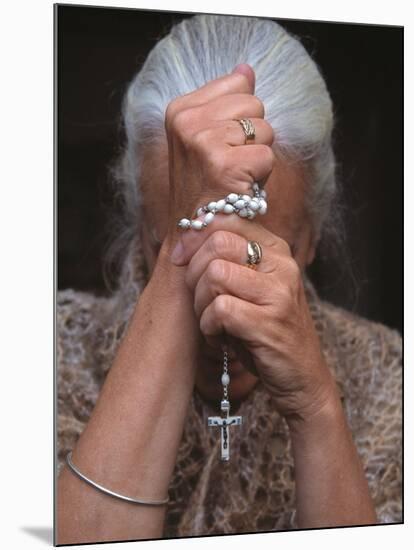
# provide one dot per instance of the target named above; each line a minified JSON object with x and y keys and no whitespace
{"x":288,"y":82}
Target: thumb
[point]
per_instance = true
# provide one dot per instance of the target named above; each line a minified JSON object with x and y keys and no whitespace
{"x":244,"y":68}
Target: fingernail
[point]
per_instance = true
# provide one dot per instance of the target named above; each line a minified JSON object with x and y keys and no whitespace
{"x":178,"y":252}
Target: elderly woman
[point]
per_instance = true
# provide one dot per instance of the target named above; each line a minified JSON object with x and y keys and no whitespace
{"x":214,"y":311}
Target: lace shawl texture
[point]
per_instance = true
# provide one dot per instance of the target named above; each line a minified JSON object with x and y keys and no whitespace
{"x":255,"y":490}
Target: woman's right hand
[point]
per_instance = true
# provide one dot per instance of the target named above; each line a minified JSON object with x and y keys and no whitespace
{"x":207,"y":154}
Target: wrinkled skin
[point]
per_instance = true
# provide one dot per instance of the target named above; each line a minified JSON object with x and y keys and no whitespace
{"x":262,"y":315}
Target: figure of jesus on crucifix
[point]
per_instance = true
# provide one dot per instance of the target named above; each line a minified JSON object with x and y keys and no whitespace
{"x":224,"y":422}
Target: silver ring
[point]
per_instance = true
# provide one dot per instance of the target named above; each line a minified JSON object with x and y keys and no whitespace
{"x":254,"y":254}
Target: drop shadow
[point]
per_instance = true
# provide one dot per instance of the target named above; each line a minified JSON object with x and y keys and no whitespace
{"x":43,"y":533}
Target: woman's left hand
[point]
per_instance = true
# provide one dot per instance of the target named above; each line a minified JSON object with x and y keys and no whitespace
{"x":265,"y":310}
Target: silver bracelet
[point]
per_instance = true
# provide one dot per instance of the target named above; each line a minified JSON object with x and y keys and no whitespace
{"x":112,"y":493}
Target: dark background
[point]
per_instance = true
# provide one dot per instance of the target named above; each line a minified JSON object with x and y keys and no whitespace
{"x":99,"y":51}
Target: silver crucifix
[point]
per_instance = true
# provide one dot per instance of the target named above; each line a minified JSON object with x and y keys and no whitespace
{"x":224,"y":422}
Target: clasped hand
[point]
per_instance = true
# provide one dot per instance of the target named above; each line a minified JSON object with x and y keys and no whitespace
{"x":266,"y":310}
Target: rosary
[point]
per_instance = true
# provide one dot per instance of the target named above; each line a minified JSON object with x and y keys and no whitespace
{"x":225,"y":420}
{"x":244,"y":206}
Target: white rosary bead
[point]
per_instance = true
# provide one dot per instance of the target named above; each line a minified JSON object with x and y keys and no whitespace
{"x":262,"y":207}
{"x":232,"y":198}
{"x":184,"y":223}
{"x":225,"y":379}
{"x":197,"y":225}
{"x":244,"y":206}
{"x":220,"y":205}
{"x":254,"y":204}
{"x":228,"y":209}
{"x":239,"y":204}
{"x":208,"y":218}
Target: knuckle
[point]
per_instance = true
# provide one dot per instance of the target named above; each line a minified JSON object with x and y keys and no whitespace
{"x":180,"y":120}
{"x":258,"y":106}
{"x":220,"y":242}
{"x":180,"y":125}
{"x":201,"y":141}
{"x":268,"y":129}
{"x":170,"y":112}
{"x":282,"y":246}
{"x":222,"y":306}
{"x":217,"y":271}
{"x":286,"y":292}
{"x":217,"y":166}
{"x":218,"y":162}
{"x":293,"y":270}
{"x":267,"y":157}
{"x":284,"y":301}
{"x":291,"y":279}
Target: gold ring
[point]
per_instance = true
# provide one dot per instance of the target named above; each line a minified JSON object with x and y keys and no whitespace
{"x":254,"y":254}
{"x":248,"y":129}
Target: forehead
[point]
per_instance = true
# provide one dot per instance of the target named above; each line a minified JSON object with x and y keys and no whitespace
{"x":154,"y":165}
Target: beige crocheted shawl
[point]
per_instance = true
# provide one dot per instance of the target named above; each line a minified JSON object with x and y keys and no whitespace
{"x":255,"y":491}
